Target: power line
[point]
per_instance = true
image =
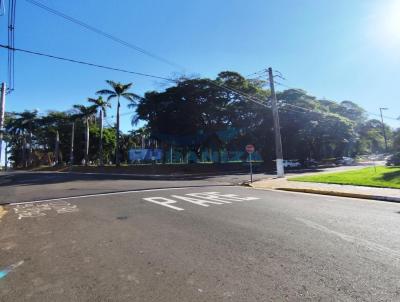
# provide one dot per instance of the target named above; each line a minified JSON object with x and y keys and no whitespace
{"x":246,"y":96}
{"x":86,"y":63}
{"x":296,"y":89}
{"x":11,"y":43}
{"x":387,"y":117}
{"x":260,"y":72}
{"x":104,"y":34}
{"x":125,"y":43}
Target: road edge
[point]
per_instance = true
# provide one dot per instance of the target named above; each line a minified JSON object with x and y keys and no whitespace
{"x":342,"y":194}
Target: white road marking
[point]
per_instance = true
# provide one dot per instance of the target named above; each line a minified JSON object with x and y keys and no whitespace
{"x":203,"y":199}
{"x":200,"y":202}
{"x":38,"y":210}
{"x":166,"y":202}
{"x":107,"y":194}
{"x":224,"y":198}
{"x":383,"y":250}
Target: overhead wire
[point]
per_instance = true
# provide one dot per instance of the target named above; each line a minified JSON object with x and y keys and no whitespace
{"x":11,"y":43}
{"x":244,"y":95}
{"x":116,"y":39}
{"x":103,"y":33}
{"x":2,"y":8}
{"x":370,"y":113}
{"x":86,"y":63}
{"x":139,"y":49}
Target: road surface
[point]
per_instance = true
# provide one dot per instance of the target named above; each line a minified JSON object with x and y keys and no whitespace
{"x":192,"y":240}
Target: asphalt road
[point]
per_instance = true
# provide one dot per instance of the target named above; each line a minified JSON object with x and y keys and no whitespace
{"x":193,"y":240}
{"x":29,"y":186}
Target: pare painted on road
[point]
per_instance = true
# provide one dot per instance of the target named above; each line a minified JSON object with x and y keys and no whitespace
{"x":31,"y":210}
{"x":203,"y":199}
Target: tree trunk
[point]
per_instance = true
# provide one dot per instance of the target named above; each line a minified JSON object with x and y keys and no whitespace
{"x":30,"y":158}
{"x":101,"y":138}
{"x":117,"y":137}
{"x":71,"y":154}
{"x":57,"y":148}
{"x":87,"y":142}
{"x":6,"y":156}
{"x":24,"y":161}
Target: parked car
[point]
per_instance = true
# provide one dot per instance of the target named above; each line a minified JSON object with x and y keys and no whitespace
{"x":291,"y":163}
{"x":310,"y":163}
{"x":393,"y":160}
{"x":345,"y":161}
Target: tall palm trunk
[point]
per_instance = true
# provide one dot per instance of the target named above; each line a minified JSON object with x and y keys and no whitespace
{"x":57,"y":148}
{"x":30,"y":158}
{"x":117,"y":137}
{"x":87,"y":142}
{"x":24,"y":148}
{"x":6,"y":156}
{"x":101,"y":137}
{"x":71,"y":154}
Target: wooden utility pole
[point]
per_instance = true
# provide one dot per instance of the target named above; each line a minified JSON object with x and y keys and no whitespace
{"x":2,"y":113}
{"x":101,"y":137}
{"x":117,"y":137}
{"x":277,"y":129}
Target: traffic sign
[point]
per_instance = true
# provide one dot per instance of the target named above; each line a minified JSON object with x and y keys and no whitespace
{"x":250,"y":149}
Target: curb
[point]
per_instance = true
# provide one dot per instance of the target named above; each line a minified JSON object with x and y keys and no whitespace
{"x":342,"y":194}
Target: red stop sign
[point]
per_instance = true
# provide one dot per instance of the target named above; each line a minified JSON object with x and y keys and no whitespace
{"x":250,"y":148}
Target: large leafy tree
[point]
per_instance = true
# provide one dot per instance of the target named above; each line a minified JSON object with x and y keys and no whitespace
{"x":196,"y":113}
{"x":117,"y":91}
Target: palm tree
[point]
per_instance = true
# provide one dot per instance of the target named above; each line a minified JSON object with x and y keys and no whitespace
{"x":118,"y":90}
{"x":52,"y":123}
{"x":102,"y":106}
{"x":20,"y":126}
{"x":86,"y":113}
{"x":71,"y":118}
{"x":30,"y":123}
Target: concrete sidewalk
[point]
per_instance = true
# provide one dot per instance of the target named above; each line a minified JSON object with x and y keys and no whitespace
{"x":283,"y":184}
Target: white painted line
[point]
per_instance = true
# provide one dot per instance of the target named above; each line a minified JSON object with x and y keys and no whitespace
{"x":32,"y":210}
{"x":166,"y":202}
{"x":197,"y":201}
{"x":204,"y":199}
{"x":112,"y":193}
{"x":383,"y":250}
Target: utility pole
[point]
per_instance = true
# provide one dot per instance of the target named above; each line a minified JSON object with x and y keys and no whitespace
{"x":277,"y":129}
{"x":101,"y":137}
{"x":383,"y":129}
{"x":117,"y":134}
{"x":2,"y":113}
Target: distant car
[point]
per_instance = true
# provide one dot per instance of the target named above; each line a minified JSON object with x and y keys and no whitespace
{"x":345,"y":161}
{"x":291,"y":163}
{"x":393,"y":160}
{"x":311,"y":163}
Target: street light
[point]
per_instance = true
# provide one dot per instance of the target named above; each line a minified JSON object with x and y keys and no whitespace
{"x":383,"y":129}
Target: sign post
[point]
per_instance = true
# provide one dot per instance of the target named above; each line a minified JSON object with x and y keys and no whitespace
{"x":250,"y":150}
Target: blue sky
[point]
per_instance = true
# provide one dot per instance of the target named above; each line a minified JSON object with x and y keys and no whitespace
{"x":340,"y":50}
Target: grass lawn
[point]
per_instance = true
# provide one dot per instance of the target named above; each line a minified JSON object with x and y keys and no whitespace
{"x":385,"y":177}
